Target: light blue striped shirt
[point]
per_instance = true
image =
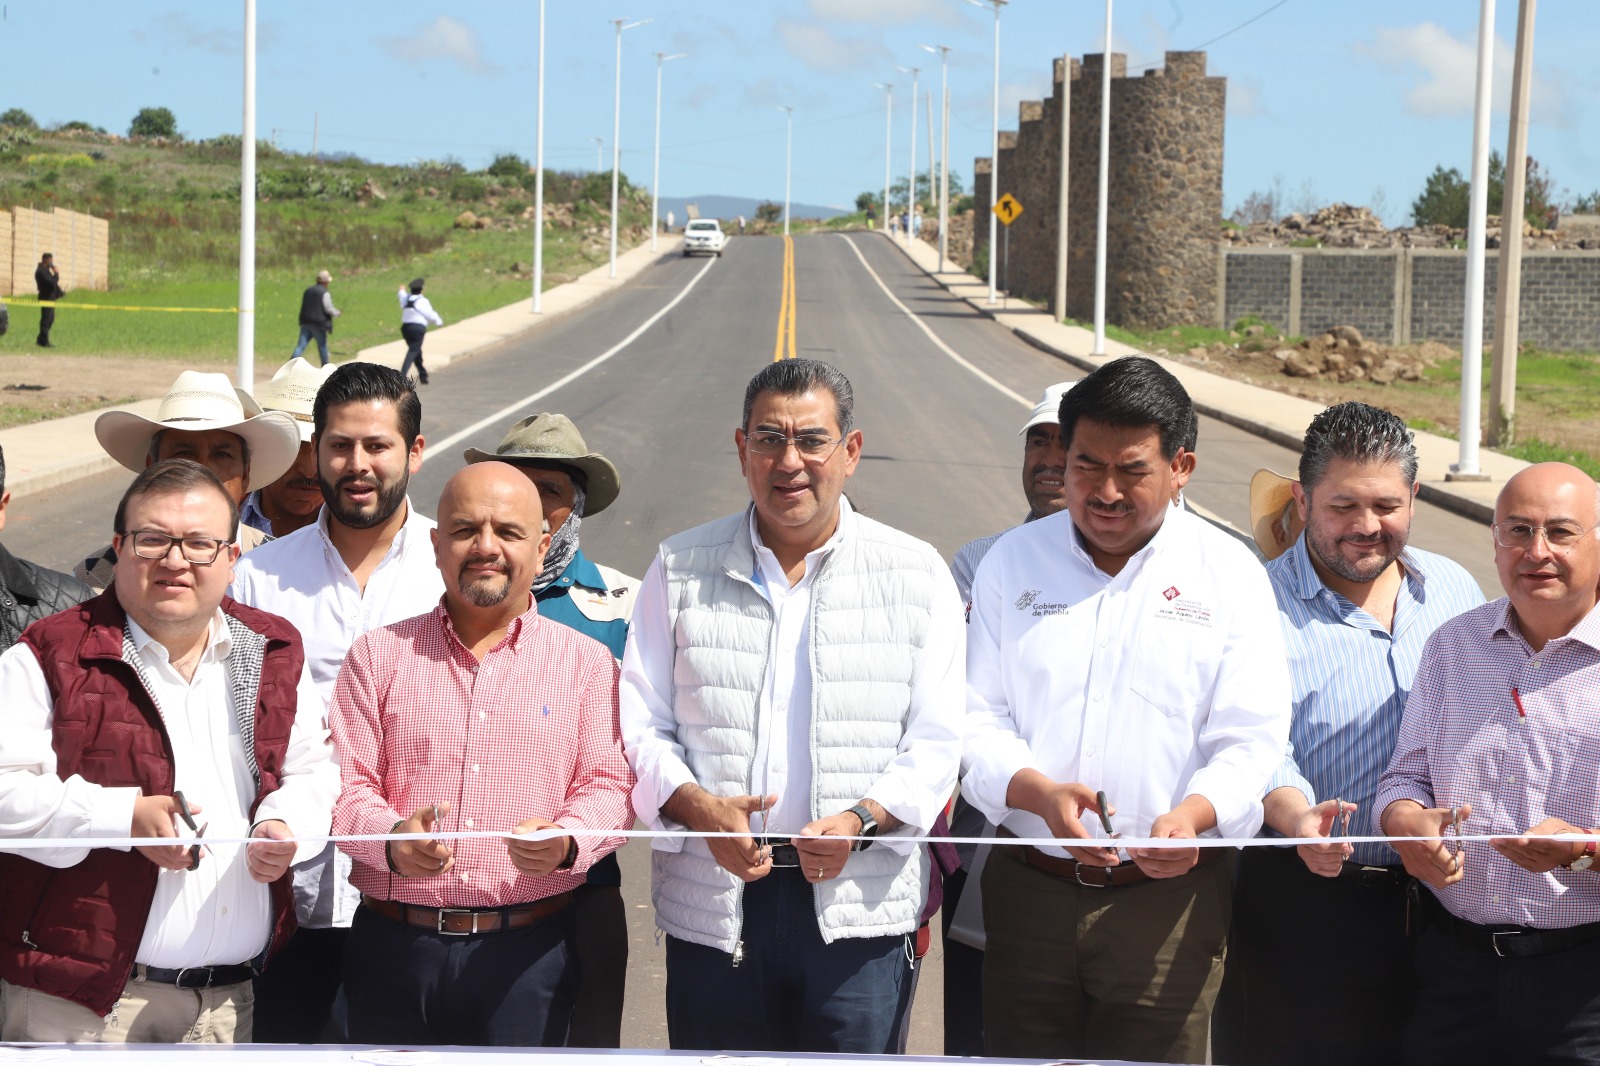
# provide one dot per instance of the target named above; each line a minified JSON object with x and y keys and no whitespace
{"x":1351,"y":677}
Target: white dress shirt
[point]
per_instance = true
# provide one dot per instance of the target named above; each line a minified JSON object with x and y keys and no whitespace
{"x":1165,"y":681}
{"x":416,"y":310}
{"x":782,"y":758}
{"x":303,"y":578}
{"x":216,"y":915}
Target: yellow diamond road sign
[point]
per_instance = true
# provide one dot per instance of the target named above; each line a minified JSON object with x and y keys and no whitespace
{"x":1008,"y":209}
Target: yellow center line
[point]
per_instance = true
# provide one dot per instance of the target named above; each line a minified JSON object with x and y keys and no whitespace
{"x":785,"y":346}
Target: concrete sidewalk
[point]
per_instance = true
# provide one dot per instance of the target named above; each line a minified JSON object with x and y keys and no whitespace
{"x":1274,"y":415}
{"x":43,"y":455}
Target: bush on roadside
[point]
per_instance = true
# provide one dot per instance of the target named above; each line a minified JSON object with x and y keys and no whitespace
{"x":17,"y":118}
{"x":154,"y":122}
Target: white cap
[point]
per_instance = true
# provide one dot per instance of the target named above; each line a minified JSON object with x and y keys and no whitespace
{"x":1048,"y":409}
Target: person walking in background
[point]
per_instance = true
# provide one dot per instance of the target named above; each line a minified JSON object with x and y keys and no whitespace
{"x":415,"y":314}
{"x":48,"y":280}
{"x":316,"y":316}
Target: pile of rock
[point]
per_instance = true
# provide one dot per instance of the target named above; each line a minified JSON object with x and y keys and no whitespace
{"x":1341,"y":355}
{"x":1345,"y":226}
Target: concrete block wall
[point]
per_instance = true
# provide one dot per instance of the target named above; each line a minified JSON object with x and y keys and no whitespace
{"x":1347,"y":290}
{"x":79,"y":243}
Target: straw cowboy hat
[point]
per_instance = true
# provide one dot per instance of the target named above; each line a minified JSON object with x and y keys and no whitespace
{"x":293,"y":390}
{"x":1274,"y":516}
{"x":545,"y":440}
{"x":196,"y":403}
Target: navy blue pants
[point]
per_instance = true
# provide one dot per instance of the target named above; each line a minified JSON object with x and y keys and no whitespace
{"x":791,"y":992}
{"x":307,"y":335}
{"x":407,"y":985}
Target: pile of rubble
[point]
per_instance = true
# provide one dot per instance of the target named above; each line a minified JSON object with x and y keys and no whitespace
{"x":1341,"y":355}
{"x":1344,"y":226}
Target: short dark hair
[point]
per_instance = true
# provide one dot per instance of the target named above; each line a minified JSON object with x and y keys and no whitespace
{"x":1359,"y":433}
{"x":174,"y":476}
{"x":1132,"y":391}
{"x":358,"y":382}
{"x":795,"y":377}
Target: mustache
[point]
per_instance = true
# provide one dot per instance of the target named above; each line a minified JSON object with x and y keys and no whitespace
{"x":356,"y":479}
{"x":493,"y":561}
{"x":307,"y":483}
{"x":1114,"y":508}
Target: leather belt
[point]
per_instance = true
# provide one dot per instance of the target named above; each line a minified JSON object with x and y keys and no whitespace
{"x":467,"y":921}
{"x":194,"y":976}
{"x":1507,"y":941}
{"x":1373,"y":876}
{"x":1127,"y":873}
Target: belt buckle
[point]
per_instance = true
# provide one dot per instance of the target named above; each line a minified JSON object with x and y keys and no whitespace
{"x":1077,"y":875}
{"x":178,"y":983}
{"x":1494,"y":940}
{"x":439,"y":920}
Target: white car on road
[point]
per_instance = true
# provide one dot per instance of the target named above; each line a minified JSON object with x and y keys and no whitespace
{"x":704,"y":235}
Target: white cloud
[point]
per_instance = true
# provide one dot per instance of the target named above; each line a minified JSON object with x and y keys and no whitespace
{"x":819,"y":48}
{"x":1245,"y":98}
{"x":886,"y":12}
{"x":1444,"y":68}
{"x":443,"y":38}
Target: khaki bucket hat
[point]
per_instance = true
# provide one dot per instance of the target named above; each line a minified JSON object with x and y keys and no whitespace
{"x":549,"y":439}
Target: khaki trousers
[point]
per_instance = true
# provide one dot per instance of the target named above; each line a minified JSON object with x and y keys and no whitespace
{"x":1102,"y":973}
{"x":147,"y":1013}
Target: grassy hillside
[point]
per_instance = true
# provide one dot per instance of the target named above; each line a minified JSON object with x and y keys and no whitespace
{"x":174,"y":214}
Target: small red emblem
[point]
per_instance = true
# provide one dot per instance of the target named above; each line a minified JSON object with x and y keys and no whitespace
{"x":1172,"y":593}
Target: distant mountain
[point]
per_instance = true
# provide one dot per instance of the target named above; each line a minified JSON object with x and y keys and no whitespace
{"x":734,"y":206}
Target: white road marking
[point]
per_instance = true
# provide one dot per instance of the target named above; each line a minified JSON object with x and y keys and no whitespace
{"x":433,"y":448}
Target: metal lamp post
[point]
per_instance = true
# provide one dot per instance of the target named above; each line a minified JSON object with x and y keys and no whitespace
{"x":911,"y":188}
{"x":662,"y":59}
{"x":1102,"y":212}
{"x":888,"y":139}
{"x":616,"y":136}
{"x":538,"y":180}
{"x":788,"y":163}
{"x":943,"y":52}
{"x":994,"y":144}
{"x":247,"y":210}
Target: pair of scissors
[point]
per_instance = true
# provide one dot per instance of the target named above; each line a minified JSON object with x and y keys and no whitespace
{"x":1105,"y":817}
{"x":188,"y":820}
{"x":1341,"y":819}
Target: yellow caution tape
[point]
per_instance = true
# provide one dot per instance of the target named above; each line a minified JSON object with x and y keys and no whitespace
{"x":122,"y":307}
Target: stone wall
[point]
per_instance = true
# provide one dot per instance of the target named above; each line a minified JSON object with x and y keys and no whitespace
{"x":1165,"y":194}
{"x":1403,"y":296}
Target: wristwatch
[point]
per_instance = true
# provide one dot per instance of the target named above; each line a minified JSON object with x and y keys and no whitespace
{"x":869,"y":827}
{"x":1586,"y":860}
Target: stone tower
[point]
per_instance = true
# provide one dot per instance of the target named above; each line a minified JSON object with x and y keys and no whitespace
{"x":1165,"y":190}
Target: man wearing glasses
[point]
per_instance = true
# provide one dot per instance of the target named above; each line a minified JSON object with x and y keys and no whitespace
{"x":159,"y":700}
{"x":1357,"y":605}
{"x":1501,"y":737}
{"x":793,"y":676}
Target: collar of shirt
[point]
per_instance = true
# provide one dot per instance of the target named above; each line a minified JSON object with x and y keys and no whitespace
{"x":251,"y":514}
{"x":767,"y":573}
{"x":581,"y":572}
{"x":1587,"y":631}
{"x":1306,"y":584}
{"x":408,"y":530}
{"x":219,"y":641}
{"x":514,"y":632}
{"x":1135,"y":562}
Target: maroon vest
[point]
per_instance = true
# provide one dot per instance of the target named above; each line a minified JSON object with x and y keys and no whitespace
{"x":73,"y":932}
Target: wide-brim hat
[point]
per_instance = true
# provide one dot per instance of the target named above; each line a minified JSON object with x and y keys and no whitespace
{"x":543,"y":439}
{"x":1270,"y":493}
{"x":293,"y":390}
{"x":1048,"y":410}
{"x":197,"y":402}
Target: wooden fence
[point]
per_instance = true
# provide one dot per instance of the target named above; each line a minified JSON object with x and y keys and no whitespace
{"x":79,"y":243}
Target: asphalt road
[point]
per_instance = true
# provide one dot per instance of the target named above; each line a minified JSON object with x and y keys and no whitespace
{"x":941,"y":456}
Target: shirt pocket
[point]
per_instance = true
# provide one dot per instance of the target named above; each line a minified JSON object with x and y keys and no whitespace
{"x":1576,"y":778}
{"x":1174,"y":678}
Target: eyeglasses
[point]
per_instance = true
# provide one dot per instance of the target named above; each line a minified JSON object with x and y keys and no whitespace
{"x":810,"y":445}
{"x":1561,"y":537}
{"x":201,"y":551}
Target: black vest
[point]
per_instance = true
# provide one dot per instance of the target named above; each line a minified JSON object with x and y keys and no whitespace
{"x":312,"y":312}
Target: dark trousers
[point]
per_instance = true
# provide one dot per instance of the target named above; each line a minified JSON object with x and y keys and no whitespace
{"x":407,"y":985}
{"x":963,"y":979}
{"x":295,"y":996}
{"x":790,"y":992}
{"x":47,"y":318}
{"x":601,"y":942}
{"x":1116,"y":973}
{"x":1473,"y":1006}
{"x":307,"y":335}
{"x":1336,"y":947}
{"x":413,"y":332}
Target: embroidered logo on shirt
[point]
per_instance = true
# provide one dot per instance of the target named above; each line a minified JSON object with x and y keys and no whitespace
{"x":1185,"y":609}
{"x":1172,"y":592}
{"x":546,"y":711}
{"x":1025,"y":600}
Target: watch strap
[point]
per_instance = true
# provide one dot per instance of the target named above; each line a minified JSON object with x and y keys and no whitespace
{"x":869,"y":827}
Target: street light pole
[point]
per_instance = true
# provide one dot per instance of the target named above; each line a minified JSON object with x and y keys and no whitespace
{"x":538,"y":180}
{"x":943,"y":51}
{"x":655,"y":179}
{"x":247,"y":210}
{"x":1105,"y":194}
{"x":599,"y":147}
{"x":994,"y":147}
{"x":788,"y":164}
{"x":616,"y":137}
{"x":1466,"y":466}
{"x":888,"y":138}
{"x":911,"y":188}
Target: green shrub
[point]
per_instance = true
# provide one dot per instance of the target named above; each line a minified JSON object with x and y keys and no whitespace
{"x":17,"y":118}
{"x":467,"y":188}
{"x":508,"y":165}
{"x":154,"y":122}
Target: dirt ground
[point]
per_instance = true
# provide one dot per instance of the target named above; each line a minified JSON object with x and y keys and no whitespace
{"x":38,"y":387}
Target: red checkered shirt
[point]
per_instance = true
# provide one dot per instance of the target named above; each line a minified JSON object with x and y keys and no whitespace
{"x":1462,"y":741}
{"x":531,"y":731}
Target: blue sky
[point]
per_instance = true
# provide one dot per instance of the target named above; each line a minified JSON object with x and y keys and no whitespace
{"x":1353,"y":100}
